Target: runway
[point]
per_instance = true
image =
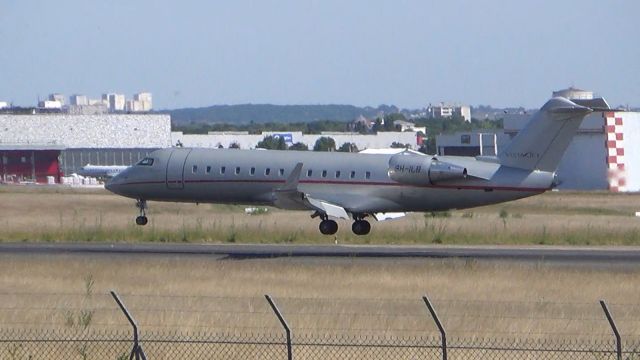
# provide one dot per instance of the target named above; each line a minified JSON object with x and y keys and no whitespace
{"x":608,"y":255}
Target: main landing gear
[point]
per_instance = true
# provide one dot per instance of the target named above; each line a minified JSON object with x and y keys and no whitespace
{"x":327,"y":227}
{"x":360,"y":226}
{"x":330,"y":227}
{"x":142,"y":218}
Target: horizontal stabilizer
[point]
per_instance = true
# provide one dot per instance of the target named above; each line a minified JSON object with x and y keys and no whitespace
{"x":597,"y":104}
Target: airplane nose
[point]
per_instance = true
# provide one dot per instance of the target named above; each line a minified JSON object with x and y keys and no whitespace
{"x":113,"y":184}
{"x":109,"y":185}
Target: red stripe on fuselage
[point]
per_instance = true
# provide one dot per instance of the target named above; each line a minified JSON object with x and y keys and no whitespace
{"x":330,"y":182}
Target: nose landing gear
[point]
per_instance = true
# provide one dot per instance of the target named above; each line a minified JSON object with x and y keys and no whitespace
{"x":142,"y":218}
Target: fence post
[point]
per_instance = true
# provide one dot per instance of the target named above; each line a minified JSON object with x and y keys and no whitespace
{"x":284,"y":325}
{"x":443,"y":333}
{"x":614,"y":328}
{"x":137,"y":351}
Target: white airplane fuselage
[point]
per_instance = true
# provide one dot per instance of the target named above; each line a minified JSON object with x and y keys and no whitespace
{"x":353,"y":185}
{"x":359,"y":183}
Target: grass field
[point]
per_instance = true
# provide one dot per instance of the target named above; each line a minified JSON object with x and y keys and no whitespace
{"x":64,"y":214}
{"x":328,"y":296}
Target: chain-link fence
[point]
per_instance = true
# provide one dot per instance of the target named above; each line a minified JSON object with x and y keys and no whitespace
{"x":94,"y":326}
{"x":33,"y":344}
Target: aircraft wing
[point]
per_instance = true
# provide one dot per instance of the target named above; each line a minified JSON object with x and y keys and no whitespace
{"x":328,"y":208}
{"x":289,"y":197}
{"x":388,"y":216}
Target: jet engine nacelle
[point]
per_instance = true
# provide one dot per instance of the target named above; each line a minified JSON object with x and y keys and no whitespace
{"x":422,"y":170}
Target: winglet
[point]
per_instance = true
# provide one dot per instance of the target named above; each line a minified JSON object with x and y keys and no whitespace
{"x":292,"y":181}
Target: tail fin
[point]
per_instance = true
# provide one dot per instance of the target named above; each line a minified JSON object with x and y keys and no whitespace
{"x":543,"y":141}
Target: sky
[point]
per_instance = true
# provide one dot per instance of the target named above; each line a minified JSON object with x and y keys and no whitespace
{"x":193,"y":53}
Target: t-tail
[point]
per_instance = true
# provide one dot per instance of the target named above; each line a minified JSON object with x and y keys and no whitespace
{"x":544,"y":140}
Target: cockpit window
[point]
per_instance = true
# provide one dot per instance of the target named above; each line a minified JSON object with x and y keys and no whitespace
{"x":146,"y":162}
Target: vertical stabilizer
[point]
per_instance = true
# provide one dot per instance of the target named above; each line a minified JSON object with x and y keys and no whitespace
{"x":543,"y":141}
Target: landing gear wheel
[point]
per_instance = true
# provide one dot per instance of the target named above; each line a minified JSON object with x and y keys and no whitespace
{"x":361,"y":227}
{"x":142,"y":220}
{"x":328,"y":227}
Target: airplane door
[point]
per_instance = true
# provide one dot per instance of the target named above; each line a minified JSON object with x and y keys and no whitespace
{"x":175,"y":168}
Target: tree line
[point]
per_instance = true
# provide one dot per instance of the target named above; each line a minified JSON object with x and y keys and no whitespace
{"x":434,"y":127}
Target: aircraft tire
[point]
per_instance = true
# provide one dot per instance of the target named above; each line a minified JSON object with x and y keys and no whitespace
{"x":328,"y":227}
{"x":142,"y":220}
{"x":361,"y":227}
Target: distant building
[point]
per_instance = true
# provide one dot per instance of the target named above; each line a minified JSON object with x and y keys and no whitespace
{"x":408,"y":126}
{"x":447,"y":110}
{"x":142,"y":102}
{"x":144,"y":98}
{"x":94,"y":109}
{"x":361,"y":122}
{"x":602,"y":155}
{"x":115,"y":102}
{"x":78,"y":100}
{"x":57,"y":97}
{"x":98,"y":102}
{"x":133,"y":106}
{"x":50,"y":104}
{"x":35,"y":147}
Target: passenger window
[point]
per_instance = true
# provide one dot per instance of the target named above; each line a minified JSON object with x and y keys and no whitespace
{"x":267,"y":171}
{"x":337,"y":174}
{"x":281,"y":172}
{"x":194,"y":169}
{"x":223,"y":169}
{"x":309,"y":173}
{"x":237,"y":170}
{"x":146,"y":162}
{"x":353,"y":174}
{"x":208,"y":170}
{"x":252,"y":171}
{"x":324,"y":173}
{"x":367,"y":175}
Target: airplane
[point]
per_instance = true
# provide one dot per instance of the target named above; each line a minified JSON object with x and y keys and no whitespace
{"x":101,"y":171}
{"x":359,"y":186}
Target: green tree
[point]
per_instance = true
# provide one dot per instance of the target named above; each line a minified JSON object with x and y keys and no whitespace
{"x":299,"y":146}
{"x":348,"y":147}
{"x":377,"y":126}
{"x":234,"y":145}
{"x":389,"y":119}
{"x":272,"y":143}
{"x":324,"y":143}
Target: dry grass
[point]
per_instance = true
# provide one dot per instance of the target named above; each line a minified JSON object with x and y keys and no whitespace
{"x":329,"y":296}
{"x":60,"y":214}
{"x":326,"y":296}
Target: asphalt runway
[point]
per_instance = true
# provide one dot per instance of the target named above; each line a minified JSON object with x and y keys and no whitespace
{"x":609,"y":255}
